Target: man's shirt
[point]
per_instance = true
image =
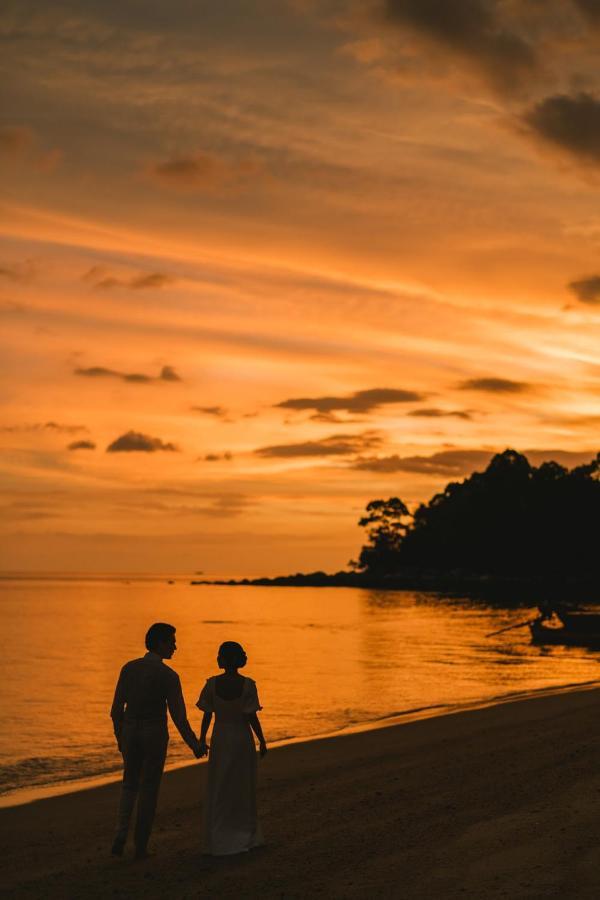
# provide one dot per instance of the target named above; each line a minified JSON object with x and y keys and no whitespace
{"x":145,"y":690}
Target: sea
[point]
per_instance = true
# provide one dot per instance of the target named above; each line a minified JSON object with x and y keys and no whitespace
{"x":325,"y":660}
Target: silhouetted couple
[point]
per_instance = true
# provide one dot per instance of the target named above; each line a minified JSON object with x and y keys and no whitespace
{"x":145,"y":690}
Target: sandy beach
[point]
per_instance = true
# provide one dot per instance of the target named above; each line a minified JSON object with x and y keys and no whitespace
{"x":496,"y":802}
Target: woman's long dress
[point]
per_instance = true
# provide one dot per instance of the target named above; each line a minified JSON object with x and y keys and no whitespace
{"x":230,"y":818}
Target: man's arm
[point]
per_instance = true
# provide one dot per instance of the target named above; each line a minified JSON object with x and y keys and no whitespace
{"x":178,"y":712}
{"x":117,"y":711}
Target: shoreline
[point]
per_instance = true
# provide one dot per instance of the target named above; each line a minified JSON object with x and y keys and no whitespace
{"x":527,"y":589}
{"x":25,"y":796}
{"x":481,"y":804}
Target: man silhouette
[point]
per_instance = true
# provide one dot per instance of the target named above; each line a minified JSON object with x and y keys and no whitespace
{"x":145,"y":690}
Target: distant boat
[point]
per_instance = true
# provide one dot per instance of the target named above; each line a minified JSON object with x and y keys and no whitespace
{"x":579,"y":628}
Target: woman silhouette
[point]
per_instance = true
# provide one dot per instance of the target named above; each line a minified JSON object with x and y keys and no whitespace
{"x":230,"y":819}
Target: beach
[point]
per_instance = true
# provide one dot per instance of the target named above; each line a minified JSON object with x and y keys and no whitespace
{"x":501,"y":801}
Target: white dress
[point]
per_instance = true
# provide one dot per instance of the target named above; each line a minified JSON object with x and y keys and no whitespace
{"x":230,"y":820}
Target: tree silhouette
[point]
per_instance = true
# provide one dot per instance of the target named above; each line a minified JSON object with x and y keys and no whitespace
{"x":512,"y":519}
{"x":385,"y":532}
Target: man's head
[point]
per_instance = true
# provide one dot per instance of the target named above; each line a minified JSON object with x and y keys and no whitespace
{"x":160,"y":639}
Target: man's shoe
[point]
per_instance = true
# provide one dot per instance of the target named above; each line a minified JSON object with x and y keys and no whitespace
{"x":142,"y":853}
{"x":118,"y":846}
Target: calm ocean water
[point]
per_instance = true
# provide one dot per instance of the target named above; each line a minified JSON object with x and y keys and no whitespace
{"x":324,"y":659}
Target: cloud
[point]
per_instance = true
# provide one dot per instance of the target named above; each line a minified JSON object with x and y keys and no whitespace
{"x":64,"y":429}
{"x":20,"y":272}
{"x":432,"y":413}
{"x":28,"y":511}
{"x":567,"y":458}
{"x":81,"y":445}
{"x":336,"y":445}
{"x":229,"y":505}
{"x":225,"y":506}
{"x":568,"y":122}
{"x":586,"y":289}
{"x":15,"y":139}
{"x":217,"y":457}
{"x":203,"y":172}
{"x":328,"y":418}
{"x":446,"y":462}
{"x":11,"y":308}
{"x":18,"y":142}
{"x":451,"y":463}
{"x":98,"y":277}
{"x":56,"y":427}
{"x":167,"y":373}
{"x":218,"y":411}
{"x":358,"y":402}
{"x":474,"y":32}
{"x":152,"y":280}
{"x":135,"y":442}
{"x":494,"y":385}
{"x":583,"y":421}
{"x":590,"y":8}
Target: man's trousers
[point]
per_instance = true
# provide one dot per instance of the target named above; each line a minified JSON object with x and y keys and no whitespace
{"x":144,"y":748}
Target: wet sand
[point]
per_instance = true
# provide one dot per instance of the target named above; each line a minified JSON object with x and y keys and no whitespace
{"x":496,"y":802}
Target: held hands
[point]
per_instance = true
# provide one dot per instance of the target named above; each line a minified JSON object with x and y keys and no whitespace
{"x":201,"y":749}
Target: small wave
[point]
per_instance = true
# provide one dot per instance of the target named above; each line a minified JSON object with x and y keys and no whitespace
{"x":538,"y":692}
{"x":409,"y":712}
{"x":38,"y":771}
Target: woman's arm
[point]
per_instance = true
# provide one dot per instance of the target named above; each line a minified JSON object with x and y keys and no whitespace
{"x":256,"y":728}
{"x":206,"y":718}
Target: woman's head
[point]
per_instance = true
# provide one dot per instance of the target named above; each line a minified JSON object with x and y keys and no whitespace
{"x":231,"y":656}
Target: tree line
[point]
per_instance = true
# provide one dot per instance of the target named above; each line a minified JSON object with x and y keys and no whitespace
{"x":512,"y":519}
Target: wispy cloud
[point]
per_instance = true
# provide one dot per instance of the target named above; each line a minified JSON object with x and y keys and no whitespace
{"x":446,"y":462}
{"x":20,"y":143}
{"x":336,"y":445}
{"x":518,"y":50}
{"x":10,"y":308}
{"x":225,"y":506}
{"x":590,"y":8}
{"x":434,"y":413}
{"x":217,"y":457}
{"x":15,"y":139}
{"x":55,"y":427}
{"x":167,"y":373}
{"x":358,"y":402}
{"x":219,"y":412}
{"x":18,"y":271}
{"x":135,"y":442}
{"x":451,"y":463}
{"x":99,"y":278}
{"x":586,"y":289}
{"x":81,"y":445}
{"x":203,"y":171}
{"x":495,"y":385}
{"x":570,"y":123}
{"x":474,"y":32}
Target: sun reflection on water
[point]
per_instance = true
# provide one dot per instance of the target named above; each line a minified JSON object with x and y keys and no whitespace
{"x":324,"y":658}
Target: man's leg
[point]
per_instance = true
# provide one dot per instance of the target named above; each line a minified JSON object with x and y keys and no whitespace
{"x":155,"y":742}
{"x":132,"y":766}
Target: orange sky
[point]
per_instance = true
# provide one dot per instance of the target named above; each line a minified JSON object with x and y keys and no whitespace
{"x":350,"y":248}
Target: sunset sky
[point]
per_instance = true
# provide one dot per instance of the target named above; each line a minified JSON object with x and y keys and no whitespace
{"x":264,"y":262}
